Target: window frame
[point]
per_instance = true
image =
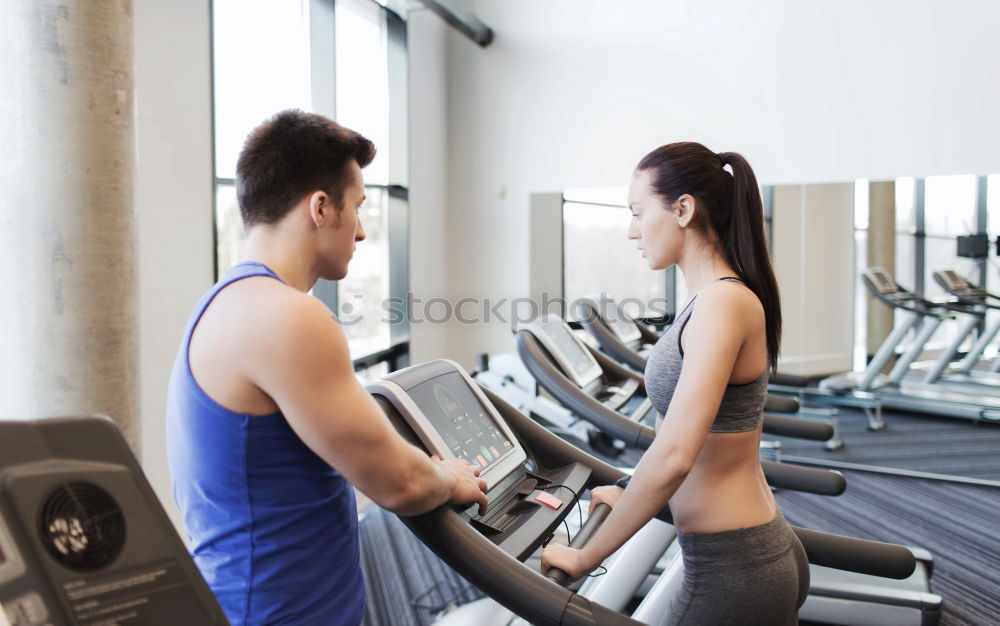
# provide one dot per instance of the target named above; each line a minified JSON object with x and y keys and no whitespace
{"x":323,"y":66}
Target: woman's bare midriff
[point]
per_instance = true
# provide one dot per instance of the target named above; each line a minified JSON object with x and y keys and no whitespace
{"x":726,"y":488}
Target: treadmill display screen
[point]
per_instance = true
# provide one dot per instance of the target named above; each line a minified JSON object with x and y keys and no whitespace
{"x":579,"y":358}
{"x":461,"y":420}
{"x":884,"y":284}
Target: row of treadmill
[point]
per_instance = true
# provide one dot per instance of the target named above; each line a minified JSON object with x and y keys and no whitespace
{"x":83,"y":539}
{"x":951,"y":385}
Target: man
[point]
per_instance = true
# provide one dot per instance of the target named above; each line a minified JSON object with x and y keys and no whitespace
{"x":267,"y":426}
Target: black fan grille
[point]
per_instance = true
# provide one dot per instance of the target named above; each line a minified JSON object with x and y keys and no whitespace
{"x":82,"y":526}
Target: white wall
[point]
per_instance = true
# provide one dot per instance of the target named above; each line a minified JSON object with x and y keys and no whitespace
{"x":426,"y":40}
{"x":173,"y":200}
{"x":573,"y":94}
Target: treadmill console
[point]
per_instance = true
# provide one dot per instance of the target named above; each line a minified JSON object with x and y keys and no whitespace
{"x":465,"y":423}
{"x":881,"y":280}
{"x":952,"y":282}
{"x":451,"y":417}
{"x":624,"y":328}
{"x":437,"y":405}
{"x":569,"y":352}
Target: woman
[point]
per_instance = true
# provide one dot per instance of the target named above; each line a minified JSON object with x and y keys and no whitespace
{"x":707,"y":378}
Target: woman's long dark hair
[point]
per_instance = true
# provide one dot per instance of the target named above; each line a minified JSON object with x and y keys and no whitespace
{"x":735,"y":216}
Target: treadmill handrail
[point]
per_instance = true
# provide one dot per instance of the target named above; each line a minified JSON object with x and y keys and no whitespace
{"x":592,"y":322}
{"x":825,"y":482}
{"x":502,"y":577}
{"x":649,"y":335}
{"x":554,"y":381}
{"x":580,"y":539}
{"x":797,"y":428}
{"x":877,"y":558}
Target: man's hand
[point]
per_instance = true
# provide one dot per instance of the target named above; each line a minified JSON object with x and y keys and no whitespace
{"x":469,"y":487}
{"x":608,"y":494}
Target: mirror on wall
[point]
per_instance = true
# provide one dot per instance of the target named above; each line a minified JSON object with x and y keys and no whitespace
{"x":823,"y":237}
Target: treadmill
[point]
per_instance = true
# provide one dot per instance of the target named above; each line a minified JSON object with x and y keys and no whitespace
{"x":897,"y":390}
{"x":534,"y":480}
{"x":964,"y":373}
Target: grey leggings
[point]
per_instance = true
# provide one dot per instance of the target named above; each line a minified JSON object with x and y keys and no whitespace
{"x":748,"y":576}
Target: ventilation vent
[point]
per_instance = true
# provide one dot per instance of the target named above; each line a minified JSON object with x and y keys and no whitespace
{"x":82,"y":526}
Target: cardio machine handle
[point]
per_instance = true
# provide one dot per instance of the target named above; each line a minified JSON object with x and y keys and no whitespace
{"x":594,"y":522}
{"x":797,"y":427}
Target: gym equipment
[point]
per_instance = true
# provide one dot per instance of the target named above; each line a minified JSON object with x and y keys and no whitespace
{"x":896,"y":390}
{"x":976,"y":296}
{"x":83,"y":539}
{"x":534,"y":483}
{"x":620,"y":337}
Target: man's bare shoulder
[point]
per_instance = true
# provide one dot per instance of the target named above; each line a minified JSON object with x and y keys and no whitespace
{"x":258,"y":321}
{"x":276,"y":336}
{"x":262,"y":296}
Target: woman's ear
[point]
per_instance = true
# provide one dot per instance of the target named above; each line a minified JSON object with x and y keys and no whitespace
{"x":685,"y":208}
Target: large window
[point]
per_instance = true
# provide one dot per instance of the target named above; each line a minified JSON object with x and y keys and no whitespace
{"x":345,"y":59}
{"x":949,"y":211}
{"x":931,"y":213}
{"x":599,"y":258}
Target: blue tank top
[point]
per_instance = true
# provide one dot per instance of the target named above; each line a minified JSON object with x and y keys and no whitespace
{"x":272,"y":527}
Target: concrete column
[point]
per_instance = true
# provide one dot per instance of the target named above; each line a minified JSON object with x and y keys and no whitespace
{"x":881,"y":253}
{"x":68,"y":286}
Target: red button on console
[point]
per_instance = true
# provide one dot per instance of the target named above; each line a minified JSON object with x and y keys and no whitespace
{"x":549,"y":500}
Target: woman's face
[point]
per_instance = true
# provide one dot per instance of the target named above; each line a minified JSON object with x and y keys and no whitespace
{"x":655,"y":227}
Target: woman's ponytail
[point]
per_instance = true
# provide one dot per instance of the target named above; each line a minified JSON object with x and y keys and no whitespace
{"x":745,"y":247}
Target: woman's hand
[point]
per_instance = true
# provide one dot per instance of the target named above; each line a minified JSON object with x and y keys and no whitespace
{"x":608,"y":494}
{"x":569,"y":560}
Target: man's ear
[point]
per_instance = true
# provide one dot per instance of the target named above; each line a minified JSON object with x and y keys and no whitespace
{"x":320,"y":208}
{"x":686,"y":207}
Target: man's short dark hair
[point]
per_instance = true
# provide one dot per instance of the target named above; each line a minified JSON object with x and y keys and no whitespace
{"x":292,"y":154}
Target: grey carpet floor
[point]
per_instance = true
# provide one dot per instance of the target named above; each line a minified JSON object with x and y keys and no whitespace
{"x":912,"y":442}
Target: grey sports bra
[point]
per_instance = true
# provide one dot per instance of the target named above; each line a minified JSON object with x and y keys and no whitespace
{"x":742,"y":405}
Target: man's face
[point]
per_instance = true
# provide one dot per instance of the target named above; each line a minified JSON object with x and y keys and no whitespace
{"x":347,"y":230}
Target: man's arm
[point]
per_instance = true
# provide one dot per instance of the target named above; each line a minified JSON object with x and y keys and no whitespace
{"x":305,"y":367}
